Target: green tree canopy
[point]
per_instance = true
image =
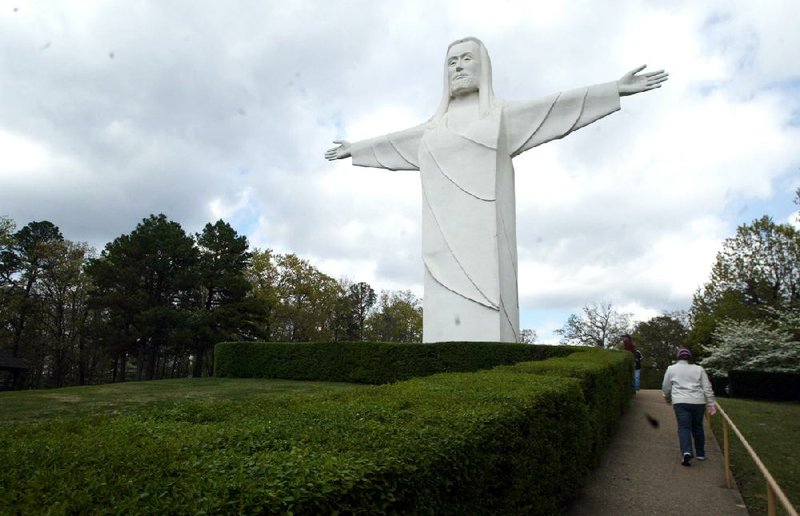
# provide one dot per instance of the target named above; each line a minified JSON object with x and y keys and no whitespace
{"x":659,"y":339}
{"x":222,"y":309}
{"x":360,"y":300}
{"x":297,"y":301}
{"x":756,"y":270}
{"x":43,"y":302}
{"x":25,"y":256}
{"x":397,"y":318}
{"x":145,"y":280}
{"x":262,"y":275}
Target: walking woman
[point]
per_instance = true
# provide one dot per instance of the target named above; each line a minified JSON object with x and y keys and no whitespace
{"x":688,"y":388}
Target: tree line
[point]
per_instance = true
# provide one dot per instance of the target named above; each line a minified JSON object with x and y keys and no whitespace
{"x":746,"y":316}
{"x":153,"y":303}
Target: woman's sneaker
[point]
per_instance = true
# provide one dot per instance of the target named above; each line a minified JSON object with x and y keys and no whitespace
{"x":701,"y":457}
{"x":687,"y":459}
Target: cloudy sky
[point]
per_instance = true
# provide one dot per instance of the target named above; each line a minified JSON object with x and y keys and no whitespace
{"x":114,"y":110}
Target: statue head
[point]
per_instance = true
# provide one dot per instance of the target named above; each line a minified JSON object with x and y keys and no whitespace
{"x":463,"y":68}
{"x":467,"y":68}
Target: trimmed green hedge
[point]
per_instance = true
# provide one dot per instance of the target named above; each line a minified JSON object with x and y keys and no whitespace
{"x":512,"y":440}
{"x":368,"y":362}
{"x":601,"y":373}
{"x":764,"y":385}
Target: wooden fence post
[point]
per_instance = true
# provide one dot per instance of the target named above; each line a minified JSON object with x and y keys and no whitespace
{"x":771,"y":506}
{"x":726,"y":447}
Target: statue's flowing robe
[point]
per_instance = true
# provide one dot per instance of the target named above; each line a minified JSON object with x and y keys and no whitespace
{"x":469,"y":242}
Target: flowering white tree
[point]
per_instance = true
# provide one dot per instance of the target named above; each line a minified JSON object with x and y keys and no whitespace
{"x":756,"y":346}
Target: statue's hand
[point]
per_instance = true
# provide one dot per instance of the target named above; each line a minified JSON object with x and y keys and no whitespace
{"x":340,"y":152}
{"x":630,"y":83}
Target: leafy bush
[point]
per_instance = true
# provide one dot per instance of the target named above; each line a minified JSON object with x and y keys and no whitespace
{"x":368,"y":362}
{"x":494,"y":441}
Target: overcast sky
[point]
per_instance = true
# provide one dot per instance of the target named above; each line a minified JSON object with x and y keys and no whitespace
{"x":114,"y":110}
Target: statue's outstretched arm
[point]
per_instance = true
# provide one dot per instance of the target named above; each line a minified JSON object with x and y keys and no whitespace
{"x":340,"y":152}
{"x":393,"y":151}
{"x":631,"y":83}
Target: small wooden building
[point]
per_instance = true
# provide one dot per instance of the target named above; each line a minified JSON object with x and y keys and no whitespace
{"x":11,"y":368}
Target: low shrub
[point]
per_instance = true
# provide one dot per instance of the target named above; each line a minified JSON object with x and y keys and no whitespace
{"x":368,"y":362}
{"x":497,"y":441}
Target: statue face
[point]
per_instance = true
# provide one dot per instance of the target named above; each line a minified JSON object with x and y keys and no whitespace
{"x":463,"y":68}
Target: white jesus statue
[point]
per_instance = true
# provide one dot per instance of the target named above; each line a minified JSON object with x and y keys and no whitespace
{"x":464,"y":153}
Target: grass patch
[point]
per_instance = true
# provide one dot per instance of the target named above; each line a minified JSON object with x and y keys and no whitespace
{"x":773,"y":430}
{"x":116,"y":398}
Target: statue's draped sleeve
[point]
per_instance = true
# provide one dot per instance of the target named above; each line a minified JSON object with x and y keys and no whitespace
{"x":532,"y":123}
{"x":393,"y":151}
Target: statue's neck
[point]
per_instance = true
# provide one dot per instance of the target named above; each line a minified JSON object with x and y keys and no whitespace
{"x":463,"y":110}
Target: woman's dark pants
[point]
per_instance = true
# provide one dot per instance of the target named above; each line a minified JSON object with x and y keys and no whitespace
{"x":690,"y":425}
